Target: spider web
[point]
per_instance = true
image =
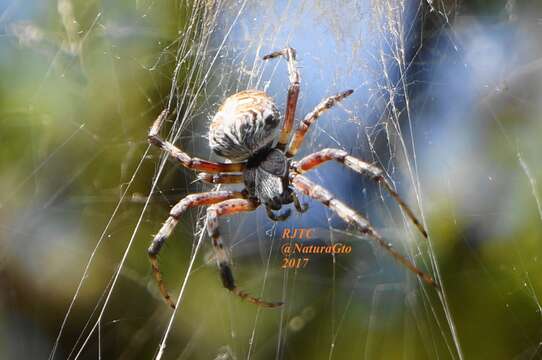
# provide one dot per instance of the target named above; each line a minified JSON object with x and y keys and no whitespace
{"x":439,"y":104}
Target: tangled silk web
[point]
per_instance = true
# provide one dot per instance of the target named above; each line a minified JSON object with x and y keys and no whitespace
{"x":381,"y":50}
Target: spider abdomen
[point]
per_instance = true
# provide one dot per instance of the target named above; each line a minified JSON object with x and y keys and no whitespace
{"x":245,"y":123}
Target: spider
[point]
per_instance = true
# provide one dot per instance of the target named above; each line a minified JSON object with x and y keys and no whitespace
{"x":244,"y":130}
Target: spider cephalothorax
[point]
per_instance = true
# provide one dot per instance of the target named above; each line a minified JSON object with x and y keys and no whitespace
{"x":244,"y":130}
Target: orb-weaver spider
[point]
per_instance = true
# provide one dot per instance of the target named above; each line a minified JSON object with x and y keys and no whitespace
{"x":244,"y":131}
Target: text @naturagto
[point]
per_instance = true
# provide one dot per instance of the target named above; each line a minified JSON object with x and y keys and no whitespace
{"x":301,"y":245}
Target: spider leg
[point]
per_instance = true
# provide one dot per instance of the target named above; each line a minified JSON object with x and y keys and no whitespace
{"x":192,"y":200}
{"x":278,"y":217}
{"x":301,"y":208}
{"x":293,"y":93}
{"x":226,"y":208}
{"x":311,"y":117}
{"x":221,"y":178}
{"x":320,"y":157}
{"x":192,"y":163}
{"x":352,"y":217}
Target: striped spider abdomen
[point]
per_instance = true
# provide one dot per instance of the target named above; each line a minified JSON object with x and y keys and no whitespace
{"x":245,"y":123}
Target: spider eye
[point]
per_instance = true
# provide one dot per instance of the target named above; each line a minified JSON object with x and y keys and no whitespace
{"x":270,"y":121}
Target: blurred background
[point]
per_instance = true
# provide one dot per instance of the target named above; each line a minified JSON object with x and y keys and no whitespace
{"x":447,"y":101}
